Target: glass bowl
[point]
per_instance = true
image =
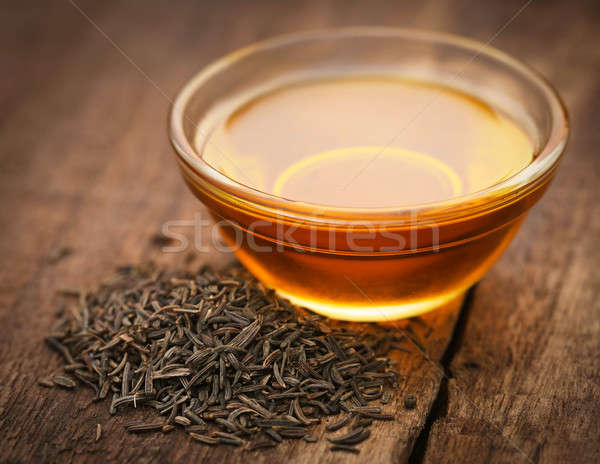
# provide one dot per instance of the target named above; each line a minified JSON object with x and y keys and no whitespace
{"x":369,"y":264}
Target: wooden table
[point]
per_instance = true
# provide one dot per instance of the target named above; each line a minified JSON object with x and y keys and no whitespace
{"x":86,"y":164}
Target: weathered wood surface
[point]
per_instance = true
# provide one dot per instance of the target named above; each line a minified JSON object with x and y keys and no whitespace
{"x":525,"y":377}
{"x":85,"y":163}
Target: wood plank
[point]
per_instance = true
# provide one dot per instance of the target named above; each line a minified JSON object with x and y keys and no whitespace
{"x":525,"y":383}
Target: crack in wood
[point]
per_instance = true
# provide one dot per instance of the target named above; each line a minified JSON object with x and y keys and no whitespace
{"x":439,"y":408}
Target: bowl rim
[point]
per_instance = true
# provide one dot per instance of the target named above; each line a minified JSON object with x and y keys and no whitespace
{"x":244,"y":196}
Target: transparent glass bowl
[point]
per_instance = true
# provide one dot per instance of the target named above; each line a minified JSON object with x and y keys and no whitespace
{"x":309,"y":252}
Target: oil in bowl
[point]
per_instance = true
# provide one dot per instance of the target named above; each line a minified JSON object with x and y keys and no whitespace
{"x":365,"y":192}
{"x":372,"y":141}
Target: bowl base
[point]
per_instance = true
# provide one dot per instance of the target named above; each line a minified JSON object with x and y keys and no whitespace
{"x":378,"y":313}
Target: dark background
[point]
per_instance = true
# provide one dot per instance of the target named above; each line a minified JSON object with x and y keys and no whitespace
{"x":86,"y":165}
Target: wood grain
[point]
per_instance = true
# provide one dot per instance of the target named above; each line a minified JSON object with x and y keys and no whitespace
{"x":85,"y":163}
{"x":525,"y":377}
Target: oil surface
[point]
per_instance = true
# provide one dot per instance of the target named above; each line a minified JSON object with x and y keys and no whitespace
{"x":363,"y":142}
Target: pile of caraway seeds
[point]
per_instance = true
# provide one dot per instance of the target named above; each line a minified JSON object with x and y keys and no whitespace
{"x":223,"y":358}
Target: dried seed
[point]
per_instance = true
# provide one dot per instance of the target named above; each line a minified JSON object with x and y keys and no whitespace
{"x":228,"y":438}
{"x":60,"y":348}
{"x":45,"y":382}
{"x":140,"y":428}
{"x":195,"y":418}
{"x":125,"y":380}
{"x":292,"y":432}
{"x":64,"y":381}
{"x":338,"y":424}
{"x":229,"y":425}
{"x":196,"y":428}
{"x":274,"y":435}
{"x":348,"y":439}
{"x":204,"y":438}
{"x":377,"y":416}
{"x":366,"y":409}
{"x":182,"y":421}
{"x":345,"y":448}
